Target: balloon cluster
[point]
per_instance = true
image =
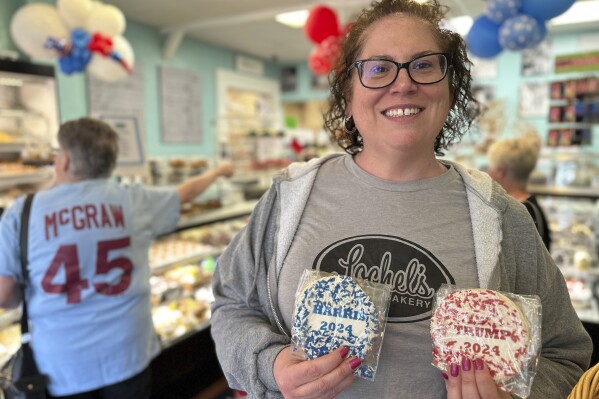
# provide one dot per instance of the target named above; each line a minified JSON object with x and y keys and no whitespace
{"x":322,"y":28}
{"x":82,"y":34}
{"x":512,"y":25}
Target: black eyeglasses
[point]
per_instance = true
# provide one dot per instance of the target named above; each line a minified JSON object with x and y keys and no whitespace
{"x":376,"y":73}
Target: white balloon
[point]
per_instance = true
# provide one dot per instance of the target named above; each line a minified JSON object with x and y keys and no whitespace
{"x":106,"y":19}
{"x":96,"y":4}
{"x":106,"y":68}
{"x":32,"y":25}
{"x":74,"y":12}
{"x":37,"y":97}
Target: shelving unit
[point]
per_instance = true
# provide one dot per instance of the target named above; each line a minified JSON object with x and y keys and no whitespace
{"x":28,"y":122}
{"x":574,"y":110}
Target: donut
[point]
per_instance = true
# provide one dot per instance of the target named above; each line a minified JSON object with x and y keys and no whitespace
{"x":335,"y":311}
{"x":480,"y":324}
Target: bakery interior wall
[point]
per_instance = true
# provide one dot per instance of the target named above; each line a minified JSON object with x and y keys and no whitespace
{"x":505,"y":85}
{"x":307,"y":95}
{"x":147,"y":43}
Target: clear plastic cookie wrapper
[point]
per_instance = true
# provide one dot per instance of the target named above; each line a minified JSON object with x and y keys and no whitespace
{"x":500,"y":328}
{"x":333,"y":310}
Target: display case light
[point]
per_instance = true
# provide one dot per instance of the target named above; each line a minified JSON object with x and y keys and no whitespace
{"x":13,"y":82}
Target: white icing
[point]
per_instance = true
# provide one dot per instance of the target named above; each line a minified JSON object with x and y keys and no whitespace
{"x":482,"y":324}
{"x":335,"y":311}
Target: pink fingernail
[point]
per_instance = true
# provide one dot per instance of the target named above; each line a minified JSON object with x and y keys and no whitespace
{"x":344,"y":351}
{"x":454,"y":370}
{"x":466,"y":364}
{"x":355,"y":363}
{"x":445,"y":375}
{"x":478,"y":364}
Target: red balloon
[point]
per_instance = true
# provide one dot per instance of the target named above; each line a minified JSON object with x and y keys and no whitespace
{"x":318,"y":63}
{"x":321,"y":23}
{"x":100,"y":44}
{"x":331,"y":47}
{"x":325,"y":55}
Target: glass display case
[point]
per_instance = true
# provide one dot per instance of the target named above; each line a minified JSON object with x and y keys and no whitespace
{"x":29,"y":120}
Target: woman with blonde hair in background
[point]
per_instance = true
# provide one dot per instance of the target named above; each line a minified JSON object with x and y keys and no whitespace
{"x":511,"y":162}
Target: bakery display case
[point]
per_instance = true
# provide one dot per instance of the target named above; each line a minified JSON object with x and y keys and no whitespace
{"x":182,"y":265}
{"x":573,"y":215}
{"x":567,"y":184}
{"x":574,"y":225}
{"x":28,"y":122}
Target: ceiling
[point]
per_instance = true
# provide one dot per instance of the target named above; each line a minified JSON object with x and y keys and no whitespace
{"x":248,"y":26}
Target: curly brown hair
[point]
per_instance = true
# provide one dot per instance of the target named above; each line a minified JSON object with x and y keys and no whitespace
{"x":464,"y":106}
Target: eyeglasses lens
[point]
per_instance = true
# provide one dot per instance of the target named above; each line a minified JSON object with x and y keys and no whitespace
{"x":427,"y":69}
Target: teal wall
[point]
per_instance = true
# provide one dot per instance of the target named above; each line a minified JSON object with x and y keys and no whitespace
{"x":509,"y":78}
{"x":7,"y":9}
{"x":304,"y":91}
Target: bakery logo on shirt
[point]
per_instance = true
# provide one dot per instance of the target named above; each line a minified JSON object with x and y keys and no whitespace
{"x":412,"y":271}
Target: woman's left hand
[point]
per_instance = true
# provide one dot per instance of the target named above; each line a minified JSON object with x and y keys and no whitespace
{"x":472,"y":381}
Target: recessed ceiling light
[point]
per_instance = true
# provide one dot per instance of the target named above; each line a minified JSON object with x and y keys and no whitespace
{"x":294,"y":19}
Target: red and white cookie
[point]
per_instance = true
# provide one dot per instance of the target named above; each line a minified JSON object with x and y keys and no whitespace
{"x":480,"y":324}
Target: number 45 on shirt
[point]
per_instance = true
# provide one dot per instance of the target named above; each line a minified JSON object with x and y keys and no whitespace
{"x":74,"y":284}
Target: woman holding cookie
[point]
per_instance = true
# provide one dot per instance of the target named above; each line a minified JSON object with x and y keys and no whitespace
{"x":390,"y":211}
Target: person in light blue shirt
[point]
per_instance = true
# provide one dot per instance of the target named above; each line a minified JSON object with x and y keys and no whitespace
{"x":88,"y":291}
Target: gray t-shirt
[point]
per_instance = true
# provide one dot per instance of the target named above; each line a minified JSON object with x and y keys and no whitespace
{"x":414,"y":236}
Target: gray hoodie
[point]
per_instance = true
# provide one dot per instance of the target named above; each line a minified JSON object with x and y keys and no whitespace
{"x":510,"y":256}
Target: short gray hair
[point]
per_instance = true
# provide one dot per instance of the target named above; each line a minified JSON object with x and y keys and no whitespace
{"x":92,"y":146}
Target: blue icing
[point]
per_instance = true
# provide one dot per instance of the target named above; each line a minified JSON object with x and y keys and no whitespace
{"x":335,"y":311}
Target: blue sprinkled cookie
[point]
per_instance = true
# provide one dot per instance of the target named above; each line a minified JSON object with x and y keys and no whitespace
{"x":335,"y":311}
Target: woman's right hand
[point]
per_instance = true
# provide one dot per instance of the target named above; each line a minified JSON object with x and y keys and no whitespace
{"x":323,"y":377}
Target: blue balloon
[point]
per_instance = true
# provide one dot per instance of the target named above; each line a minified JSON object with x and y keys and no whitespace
{"x":500,"y":10}
{"x":544,"y":10}
{"x":483,"y":38}
{"x":79,"y":55}
{"x":80,"y":38}
{"x":542,"y":34}
{"x":520,"y":32}
{"x":66,"y":65}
